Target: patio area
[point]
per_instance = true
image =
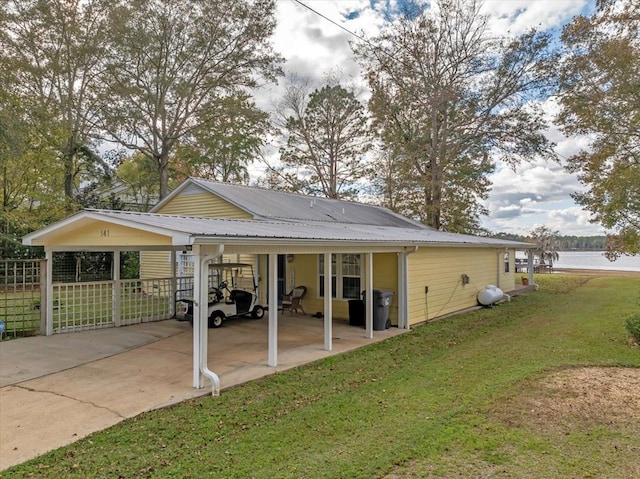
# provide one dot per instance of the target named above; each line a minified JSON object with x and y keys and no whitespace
{"x":57,"y":389}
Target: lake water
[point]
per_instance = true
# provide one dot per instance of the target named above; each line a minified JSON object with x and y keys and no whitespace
{"x":596,"y":260}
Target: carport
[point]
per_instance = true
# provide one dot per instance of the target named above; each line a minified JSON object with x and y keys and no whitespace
{"x":208,"y":239}
{"x":106,"y":375}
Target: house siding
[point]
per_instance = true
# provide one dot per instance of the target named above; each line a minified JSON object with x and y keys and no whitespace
{"x":109,"y":234}
{"x":441,"y":270}
{"x":193,"y":201}
{"x":155,"y":264}
{"x":202,"y":204}
{"x":303,"y":271}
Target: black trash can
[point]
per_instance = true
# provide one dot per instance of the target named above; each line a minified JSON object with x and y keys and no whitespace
{"x":356,"y":312}
{"x":381,"y":302}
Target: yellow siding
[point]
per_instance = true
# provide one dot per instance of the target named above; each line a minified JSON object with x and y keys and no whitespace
{"x":155,"y":264}
{"x":109,"y":234}
{"x":203,"y":204}
{"x":441,"y":270}
{"x":304,"y":271}
{"x":508,"y":279}
{"x":385,"y":277}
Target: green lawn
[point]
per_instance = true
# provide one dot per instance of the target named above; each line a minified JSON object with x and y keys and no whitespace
{"x":463,"y":397}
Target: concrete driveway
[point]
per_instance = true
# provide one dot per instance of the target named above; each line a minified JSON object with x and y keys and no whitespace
{"x":55,"y":390}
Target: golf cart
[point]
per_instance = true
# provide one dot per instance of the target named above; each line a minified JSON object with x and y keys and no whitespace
{"x":234,"y":294}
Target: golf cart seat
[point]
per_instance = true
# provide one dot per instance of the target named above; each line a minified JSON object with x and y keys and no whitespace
{"x":293,"y":300}
{"x":242,"y":299}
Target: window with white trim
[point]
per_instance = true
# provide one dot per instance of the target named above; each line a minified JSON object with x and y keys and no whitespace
{"x":346,"y":276}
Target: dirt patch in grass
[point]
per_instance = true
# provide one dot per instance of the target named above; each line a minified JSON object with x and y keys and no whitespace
{"x":585,"y":395}
{"x":571,"y":402}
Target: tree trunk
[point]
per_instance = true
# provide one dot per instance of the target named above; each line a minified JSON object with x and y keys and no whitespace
{"x":163,"y":172}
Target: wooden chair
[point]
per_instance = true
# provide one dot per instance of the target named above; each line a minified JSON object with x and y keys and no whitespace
{"x":293,"y":300}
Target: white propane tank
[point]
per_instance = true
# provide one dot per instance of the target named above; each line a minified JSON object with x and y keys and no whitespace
{"x":489,"y":295}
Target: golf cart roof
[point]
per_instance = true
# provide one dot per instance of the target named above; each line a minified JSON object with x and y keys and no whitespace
{"x":229,"y":265}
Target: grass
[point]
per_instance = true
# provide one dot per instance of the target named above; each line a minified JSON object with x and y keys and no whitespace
{"x":446,"y":400}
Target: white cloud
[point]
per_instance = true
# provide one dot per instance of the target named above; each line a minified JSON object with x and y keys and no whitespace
{"x":518,"y":16}
{"x":534,"y":194}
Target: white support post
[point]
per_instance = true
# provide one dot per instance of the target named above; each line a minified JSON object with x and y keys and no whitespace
{"x":273,"y":310}
{"x":173,"y":284}
{"x":328,"y":303}
{"x":530,"y":268}
{"x":115,"y":291}
{"x":197,"y":323}
{"x":49,"y":295}
{"x":368,"y":304}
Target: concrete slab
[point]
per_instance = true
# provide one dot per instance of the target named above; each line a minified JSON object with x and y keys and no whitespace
{"x":28,"y":358}
{"x":60,"y":388}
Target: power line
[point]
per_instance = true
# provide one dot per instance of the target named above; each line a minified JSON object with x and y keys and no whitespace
{"x":342,"y":27}
{"x":353,"y":34}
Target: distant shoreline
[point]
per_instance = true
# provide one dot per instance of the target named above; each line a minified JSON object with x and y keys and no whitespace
{"x":595,"y":272}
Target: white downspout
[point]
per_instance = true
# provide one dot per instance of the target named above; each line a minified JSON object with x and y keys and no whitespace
{"x":202,"y":320}
{"x":368,"y":295}
{"x":403,"y":287}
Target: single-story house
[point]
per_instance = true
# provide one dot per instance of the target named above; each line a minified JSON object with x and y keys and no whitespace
{"x":293,"y":240}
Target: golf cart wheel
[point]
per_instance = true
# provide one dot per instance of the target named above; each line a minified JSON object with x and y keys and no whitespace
{"x":257,"y":312}
{"x":216,"y":319}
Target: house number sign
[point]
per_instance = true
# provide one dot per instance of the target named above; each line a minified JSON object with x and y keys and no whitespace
{"x":104,"y":233}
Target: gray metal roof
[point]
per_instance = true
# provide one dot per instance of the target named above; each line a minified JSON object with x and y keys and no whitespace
{"x":291,"y":207}
{"x":201,"y":228}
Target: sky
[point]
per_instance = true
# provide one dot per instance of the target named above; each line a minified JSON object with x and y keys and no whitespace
{"x":533,"y":195}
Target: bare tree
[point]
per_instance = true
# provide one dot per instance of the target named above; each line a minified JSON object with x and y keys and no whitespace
{"x":447,"y":101}
{"x":327,"y":138}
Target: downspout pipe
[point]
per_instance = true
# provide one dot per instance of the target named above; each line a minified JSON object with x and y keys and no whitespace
{"x":404,"y":285}
{"x":204,"y":280}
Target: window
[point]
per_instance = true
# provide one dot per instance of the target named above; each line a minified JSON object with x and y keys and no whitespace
{"x":506,"y":262}
{"x":346,"y":279}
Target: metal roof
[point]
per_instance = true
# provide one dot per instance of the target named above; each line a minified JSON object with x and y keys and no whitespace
{"x":205,"y":229}
{"x":266,"y":204}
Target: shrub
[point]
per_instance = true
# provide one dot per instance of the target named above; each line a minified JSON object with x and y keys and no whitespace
{"x":633,"y":326}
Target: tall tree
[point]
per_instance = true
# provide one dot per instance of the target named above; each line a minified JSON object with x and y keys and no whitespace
{"x":55,"y":52}
{"x":31,"y":179}
{"x":448,"y":99}
{"x":600,"y":94}
{"x":548,"y":242}
{"x":172,"y":59}
{"x":227,"y":142}
{"x":327,"y":138}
